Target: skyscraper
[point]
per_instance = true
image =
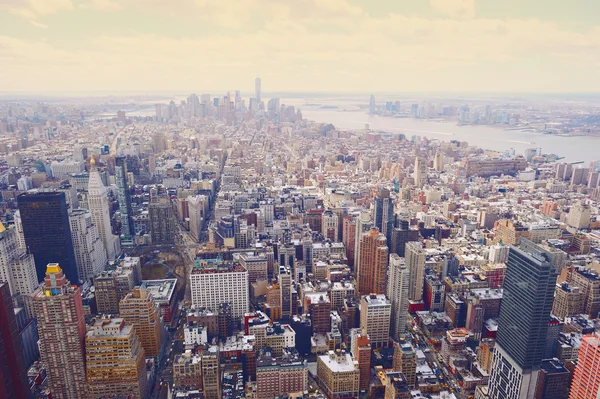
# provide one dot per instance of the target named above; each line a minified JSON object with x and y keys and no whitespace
{"x":139,"y":309}
{"x":90,"y":255}
{"x":99,"y":208}
{"x":415,"y":261}
{"x":364,"y":223}
{"x":383,"y":213}
{"x":523,"y":322}
{"x":127,"y":230}
{"x":45,"y":220}
{"x":375,"y":315}
{"x":586,"y":379}
{"x":115,"y":360}
{"x":373,"y":263}
{"x":257,"y":89}
{"x":61,"y":327}
{"x":420,"y":174}
{"x":362,"y":354}
{"x":17,"y":268}
{"x":397,"y":292}
{"x":13,"y":372}
{"x":162,"y":221}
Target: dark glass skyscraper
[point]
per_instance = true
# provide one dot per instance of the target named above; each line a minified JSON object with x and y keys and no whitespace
{"x":13,"y":372}
{"x":47,"y":232}
{"x":383,"y":213}
{"x":127,"y":229}
{"x":523,"y":322}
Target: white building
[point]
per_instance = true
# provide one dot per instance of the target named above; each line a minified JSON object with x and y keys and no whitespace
{"x":17,"y":268}
{"x":212,"y":285}
{"x":90,"y":255}
{"x":375,"y":315}
{"x":194,"y":335}
{"x":197,"y":208}
{"x":415,"y":261}
{"x":99,"y":208}
{"x":397,"y":292}
{"x":62,"y":170}
{"x":24,"y":183}
{"x":19,"y":231}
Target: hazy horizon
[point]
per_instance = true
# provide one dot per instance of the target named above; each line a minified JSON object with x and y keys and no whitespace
{"x":327,"y":46}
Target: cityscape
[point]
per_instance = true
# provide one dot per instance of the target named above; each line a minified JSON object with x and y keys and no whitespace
{"x":277,"y":242}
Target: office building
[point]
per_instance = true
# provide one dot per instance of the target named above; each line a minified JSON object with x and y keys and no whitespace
{"x":580,"y":216}
{"x":329,"y":226}
{"x":318,"y":306}
{"x":121,"y":174}
{"x":415,"y":261}
{"x":276,"y":376}
{"x":375,"y":315}
{"x":339,"y":375}
{"x":61,"y":326}
{"x":495,"y":167}
{"x":402,"y":235}
{"x":13,"y":369}
{"x":568,"y":301}
{"x":397,"y":292}
{"x":17,"y":268}
{"x":284,"y":280}
{"x":362,"y":354}
{"x":115,"y":360}
{"x":211,"y":373}
{"x":383,"y":213}
{"x":373,"y":253}
{"x":162,"y":221}
{"x":438,"y":161}
{"x":257,"y":90}
{"x":396,"y":386}
{"x":139,"y":309}
{"x":523,"y":323}
{"x":99,"y":207}
{"x":405,"y":361}
{"x":47,"y":232}
{"x":589,"y":282}
{"x":420,"y":173}
{"x":553,"y":380}
{"x":586,"y":378}
{"x":90,"y":254}
{"x":197,"y":208}
{"x":214,"y":284}
{"x":364,"y":223}
{"x":187,"y":370}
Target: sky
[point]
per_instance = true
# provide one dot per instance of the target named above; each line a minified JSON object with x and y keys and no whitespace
{"x":524,"y":46}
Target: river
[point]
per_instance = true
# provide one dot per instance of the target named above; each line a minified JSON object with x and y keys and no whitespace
{"x":573,"y":149}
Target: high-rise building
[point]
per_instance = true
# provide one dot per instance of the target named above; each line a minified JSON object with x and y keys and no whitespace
{"x":284,"y":279}
{"x":90,"y":255}
{"x":375,"y":315}
{"x":98,"y":206}
{"x":45,"y":220}
{"x":397,"y":292}
{"x":162,"y":221}
{"x":523,"y":323}
{"x":420,"y":174}
{"x":401,"y":235}
{"x":580,"y":215}
{"x":415,"y":261}
{"x":17,"y":268}
{"x":589,"y":282}
{"x":139,"y":309}
{"x":127,"y":229}
{"x":362,"y":354}
{"x":329,"y":225}
{"x":339,"y":375}
{"x":586,"y":379}
{"x":396,"y":386}
{"x":372,"y":105}
{"x":61,"y":327}
{"x":405,"y":361}
{"x":553,"y":380}
{"x":211,"y":373}
{"x":257,"y":89}
{"x":115,"y":360}
{"x":438,"y":161}
{"x":374,"y":259}
{"x":13,"y":370}
{"x":214,"y":284}
{"x":285,"y":374}
{"x":364,"y":223}
{"x":383,"y":213}
{"x":197,"y":208}
{"x":568,"y":301}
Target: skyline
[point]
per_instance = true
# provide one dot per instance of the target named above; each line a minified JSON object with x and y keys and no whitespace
{"x":340,"y":46}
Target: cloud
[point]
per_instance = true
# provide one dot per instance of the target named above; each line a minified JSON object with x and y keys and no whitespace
{"x":454,"y":8}
{"x":102,"y":5}
{"x":295,"y":48}
{"x":30,"y":10}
